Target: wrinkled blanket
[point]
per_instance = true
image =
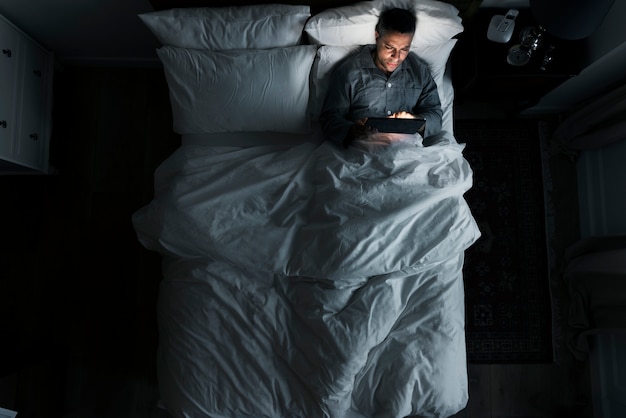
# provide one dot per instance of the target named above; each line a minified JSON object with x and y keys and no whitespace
{"x":309,"y":210}
{"x":312,"y":281}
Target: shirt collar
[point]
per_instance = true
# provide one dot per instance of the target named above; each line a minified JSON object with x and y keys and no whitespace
{"x":366,"y":56}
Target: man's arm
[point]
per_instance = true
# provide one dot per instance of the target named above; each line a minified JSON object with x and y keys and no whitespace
{"x":428,"y":105}
{"x":334,"y":117}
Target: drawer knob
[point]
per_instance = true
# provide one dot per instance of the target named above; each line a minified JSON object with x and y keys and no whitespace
{"x":3,"y":123}
{"x":7,"y":52}
{"x":34,"y":137}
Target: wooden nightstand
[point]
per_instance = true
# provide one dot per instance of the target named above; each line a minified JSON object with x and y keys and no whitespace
{"x":480,"y":70}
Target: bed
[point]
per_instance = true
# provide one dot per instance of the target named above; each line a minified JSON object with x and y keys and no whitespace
{"x":301,"y":279}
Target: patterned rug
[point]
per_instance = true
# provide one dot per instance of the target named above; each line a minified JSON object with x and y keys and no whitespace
{"x":507,"y":283}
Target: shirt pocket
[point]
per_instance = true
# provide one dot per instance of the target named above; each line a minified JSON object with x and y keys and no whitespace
{"x":370,"y":99}
{"x":404,"y":98}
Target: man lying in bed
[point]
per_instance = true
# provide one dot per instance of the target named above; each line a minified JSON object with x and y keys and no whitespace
{"x":381,"y":80}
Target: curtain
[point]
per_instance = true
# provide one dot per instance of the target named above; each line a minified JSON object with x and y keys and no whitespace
{"x":596,"y":278}
{"x":600,"y":122}
{"x":595,"y":270}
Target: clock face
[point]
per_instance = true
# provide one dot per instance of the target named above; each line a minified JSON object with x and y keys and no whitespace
{"x":517,"y":56}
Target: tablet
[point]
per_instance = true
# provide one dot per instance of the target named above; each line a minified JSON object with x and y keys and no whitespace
{"x":396,"y":125}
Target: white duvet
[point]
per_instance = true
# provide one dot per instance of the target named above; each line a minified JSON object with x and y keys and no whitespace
{"x":311,"y":281}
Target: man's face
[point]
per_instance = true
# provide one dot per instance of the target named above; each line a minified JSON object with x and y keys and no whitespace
{"x":391,"y":49}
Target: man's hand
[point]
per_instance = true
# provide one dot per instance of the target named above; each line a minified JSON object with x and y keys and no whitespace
{"x":403,"y":115}
{"x":359,"y":130}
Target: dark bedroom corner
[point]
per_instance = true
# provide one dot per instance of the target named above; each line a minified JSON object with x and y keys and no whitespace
{"x":81,"y":317}
{"x":78,"y":292}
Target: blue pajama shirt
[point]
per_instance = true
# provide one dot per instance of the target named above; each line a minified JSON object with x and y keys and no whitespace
{"x":359,"y":89}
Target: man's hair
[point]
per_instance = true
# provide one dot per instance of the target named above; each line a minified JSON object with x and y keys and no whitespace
{"x":396,"y":20}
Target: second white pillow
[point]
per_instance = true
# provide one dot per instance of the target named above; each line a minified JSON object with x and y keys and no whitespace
{"x":237,"y":91}
{"x":355,"y":24}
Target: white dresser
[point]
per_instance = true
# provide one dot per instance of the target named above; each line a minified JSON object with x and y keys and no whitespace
{"x":26,"y":72}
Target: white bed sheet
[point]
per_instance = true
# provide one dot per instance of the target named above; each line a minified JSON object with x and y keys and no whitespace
{"x":236,"y":343}
{"x":309,"y":281}
{"x":312,"y":210}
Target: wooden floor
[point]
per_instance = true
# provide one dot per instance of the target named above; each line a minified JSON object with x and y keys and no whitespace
{"x":77,"y":291}
{"x":529,"y":391}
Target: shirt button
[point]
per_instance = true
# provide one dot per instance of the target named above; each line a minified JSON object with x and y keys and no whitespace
{"x":388,"y":85}
{"x":389,"y":113}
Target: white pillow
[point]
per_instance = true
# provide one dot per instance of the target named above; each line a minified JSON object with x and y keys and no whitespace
{"x":327,"y":57}
{"x":234,"y":27}
{"x":436,"y":56}
{"x":355,"y":24}
{"x":236,"y":91}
